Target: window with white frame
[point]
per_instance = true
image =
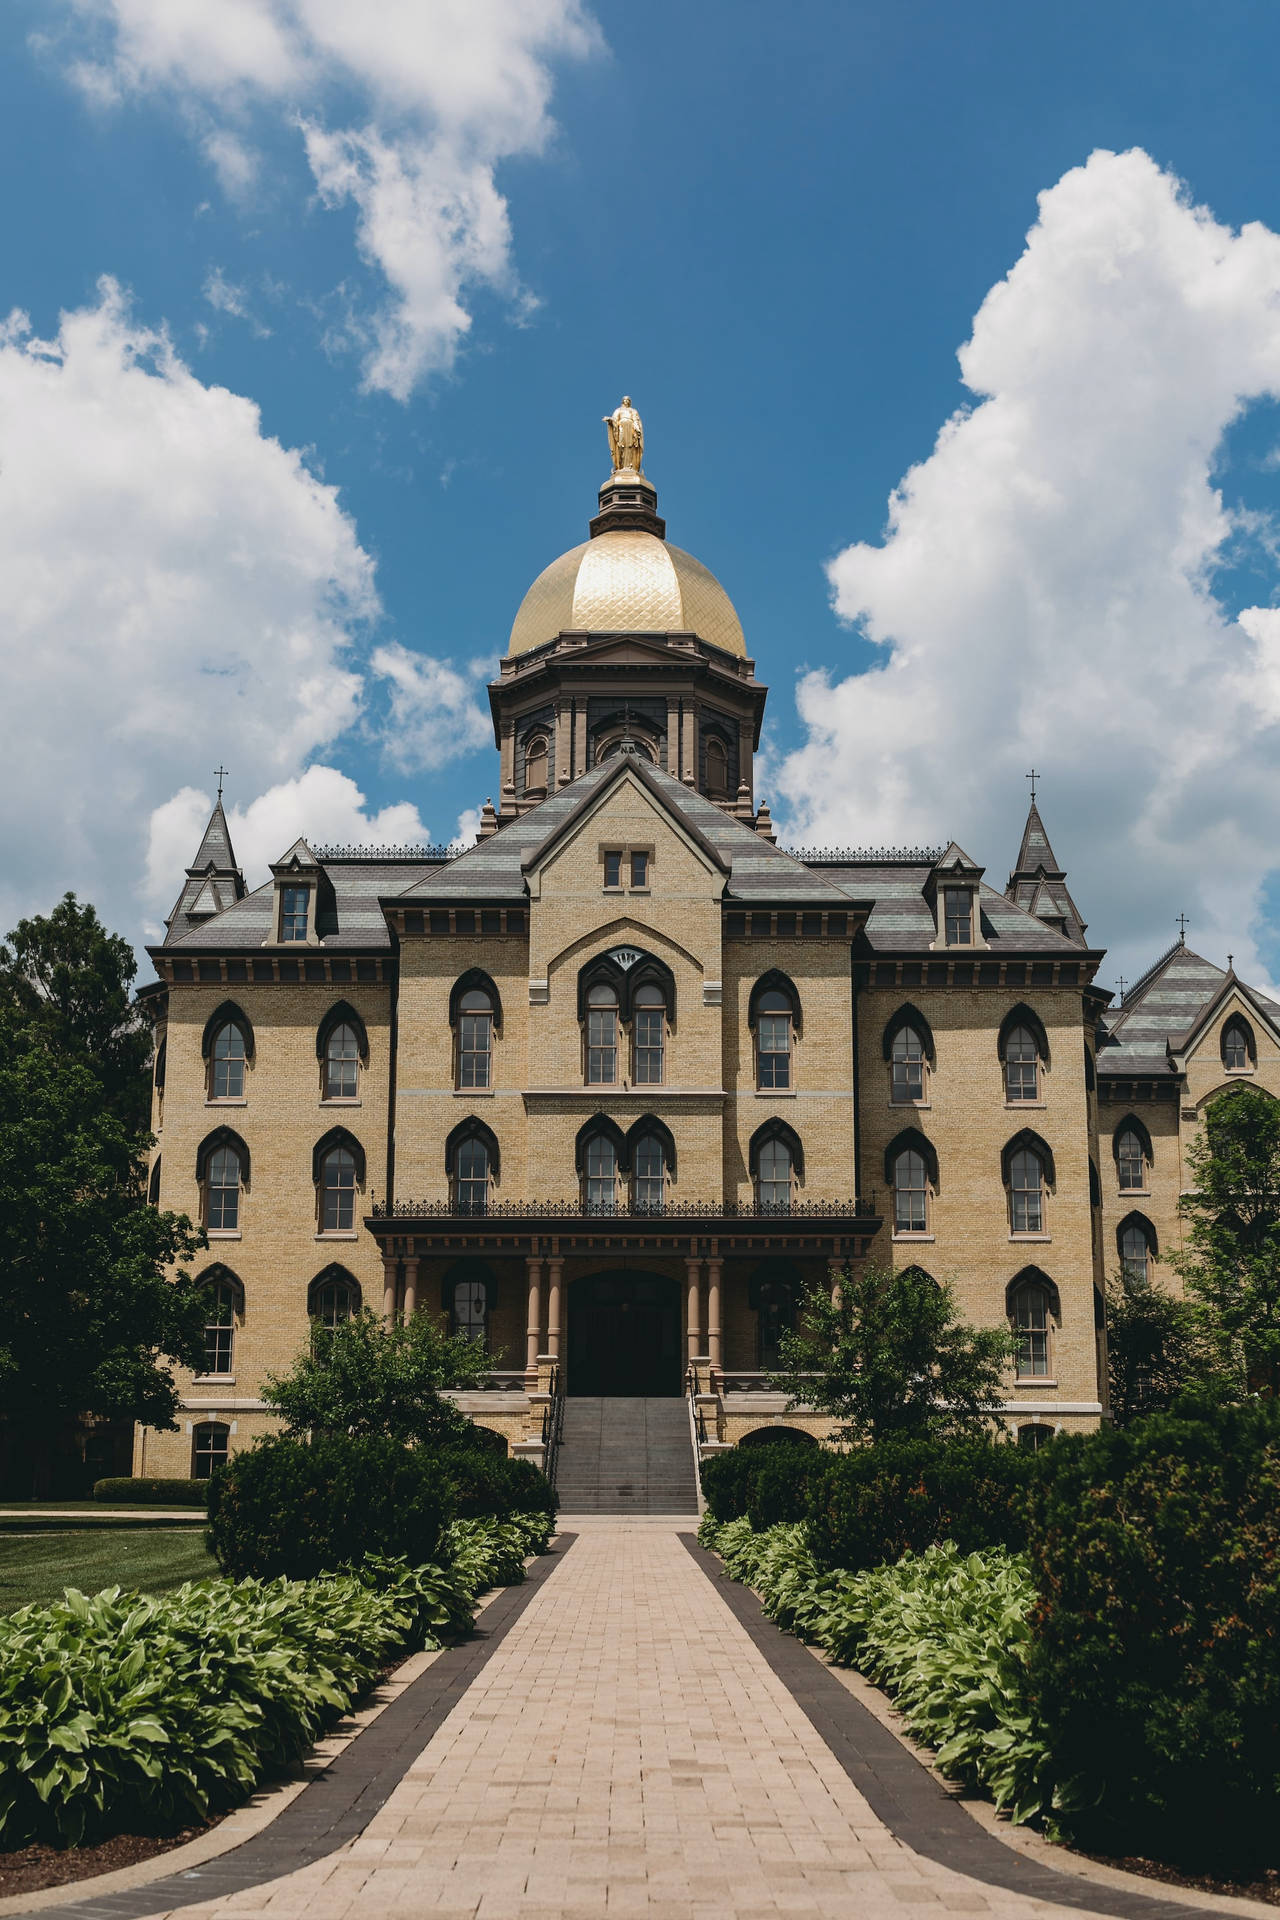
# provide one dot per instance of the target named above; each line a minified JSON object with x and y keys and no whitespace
{"x":342,"y":1063}
{"x":1021,"y":1066}
{"x":957,"y":908}
{"x":337,"y":1191}
{"x":910,"y":1192}
{"x":294,"y":912}
{"x":210,"y":1444}
{"x":221,"y":1297}
{"x":1026,"y":1191}
{"x":602,"y":1036}
{"x":222,"y":1191}
{"x":1131,"y":1160}
{"x":649,"y":1035}
{"x":227,"y":1058}
{"x":907,"y":1064}
{"x":601,"y":1179}
{"x":475,"y":1039}
{"x":773,"y":1041}
{"x":1032,"y":1321}
{"x":648,"y":1175}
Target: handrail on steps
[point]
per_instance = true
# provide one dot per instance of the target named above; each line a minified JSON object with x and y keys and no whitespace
{"x":697,"y":1433}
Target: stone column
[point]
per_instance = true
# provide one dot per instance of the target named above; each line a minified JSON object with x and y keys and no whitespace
{"x":508,"y":794}
{"x":714,"y":1267}
{"x":689,"y":749}
{"x":555,"y":1269}
{"x":389,"y":1287}
{"x":745,"y":759}
{"x":410,"y":1288}
{"x":563,"y":735}
{"x":534,"y":1335}
{"x":693,"y":1267}
{"x":673,"y":737}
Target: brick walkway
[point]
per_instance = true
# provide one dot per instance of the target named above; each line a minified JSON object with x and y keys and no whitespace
{"x":626,"y":1750}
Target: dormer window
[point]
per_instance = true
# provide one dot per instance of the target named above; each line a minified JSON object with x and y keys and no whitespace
{"x":957,"y":904}
{"x":1237,"y":1046}
{"x":294,"y":910}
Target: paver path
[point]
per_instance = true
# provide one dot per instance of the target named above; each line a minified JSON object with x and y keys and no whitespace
{"x":626,"y":1750}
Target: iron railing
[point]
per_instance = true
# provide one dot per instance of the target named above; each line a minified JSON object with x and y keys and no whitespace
{"x":553,"y":1427}
{"x":680,"y":1210}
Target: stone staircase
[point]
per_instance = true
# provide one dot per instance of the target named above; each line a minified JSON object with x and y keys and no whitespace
{"x":621,"y":1455}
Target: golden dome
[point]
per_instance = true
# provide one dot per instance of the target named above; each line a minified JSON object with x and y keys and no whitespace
{"x":626,"y":581}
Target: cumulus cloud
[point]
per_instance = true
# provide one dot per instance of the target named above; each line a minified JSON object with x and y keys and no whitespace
{"x":176,"y":588}
{"x":1044,"y":589}
{"x":435,"y":710}
{"x":321,"y":805}
{"x":443,"y":94}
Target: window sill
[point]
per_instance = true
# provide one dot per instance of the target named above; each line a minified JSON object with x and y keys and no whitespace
{"x":224,"y":1233}
{"x":909,"y":1106}
{"x":775,"y":1093}
{"x":227,"y":1103}
{"x":473,"y":1093}
{"x":1133,"y":1193}
{"x":1034,"y":1239}
{"x":338,"y":1233}
{"x":213,"y":1379}
{"x":1025,"y":1106}
{"x":339,"y":1100}
{"x":918,"y":1238}
{"x":1035,"y":1380}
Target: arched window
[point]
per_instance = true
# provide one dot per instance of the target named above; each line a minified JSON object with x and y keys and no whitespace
{"x":337,"y":1167}
{"x":776,"y":1160}
{"x":1133,"y":1155}
{"x":1034,"y":1435}
{"x":342,"y":1063}
{"x":602,"y":1035}
{"x":1136,"y":1245}
{"x":1023,"y":1048}
{"x":153,"y":1184}
{"x":223,"y":1298}
{"x":650,"y":1027}
{"x":1032,"y":1305}
{"x":600,"y":1187}
{"x":1238,"y":1052}
{"x":471,"y":1181}
{"x":209,"y":1446}
{"x":227,"y":1063}
{"x":162,"y":1055}
{"x":334,"y":1298}
{"x":910,"y":1193}
{"x":908,"y":1060}
{"x":475,"y":1039}
{"x":1021,"y":1066}
{"x":222,"y":1191}
{"x":717,"y":768}
{"x":536,"y":756}
{"x":1026,"y":1192}
{"x":648,"y":1175}
{"x":773,"y":1041}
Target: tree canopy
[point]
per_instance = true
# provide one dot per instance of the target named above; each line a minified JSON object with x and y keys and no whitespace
{"x":891,"y":1356}
{"x":1156,"y":1348}
{"x":1230,"y":1261}
{"x":367,"y":1377}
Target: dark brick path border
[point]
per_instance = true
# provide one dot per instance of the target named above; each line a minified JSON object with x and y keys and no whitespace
{"x":903,"y":1793}
{"x":339,"y":1803}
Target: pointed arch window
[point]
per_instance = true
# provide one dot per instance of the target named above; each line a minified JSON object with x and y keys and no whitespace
{"x":210,"y":1444}
{"x":1033,"y":1307}
{"x":908,"y":1067}
{"x":223,"y":1298}
{"x":475,"y":1039}
{"x":1023,"y":1048}
{"x":1136,"y":1245}
{"x":227,"y":1046}
{"x":222,"y":1171}
{"x":602,"y":1035}
{"x":337,"y":1166}
{"x":648,"y":1175}
{"x":1133,"y":1156}
{"x":1026,"y":1192}
{"x":649,"y":1029}
{"x":153,"y":1185}
{"x":333,"y":1298}
{"x":773,"y":1177}
{"x":773,"y":1041}
{"x":717,"y":768}
{"x":910,"y":1193}
{"x":472,"y":1178}
{"x":1238,"y":1051}
{"x":342,"y":1064}
{"x":601,"y":1177}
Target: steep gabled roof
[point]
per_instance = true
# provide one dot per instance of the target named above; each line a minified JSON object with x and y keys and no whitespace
{"x":1039,"y":883}
{"x":1164,"y":1002}
{"x":213,"y":882}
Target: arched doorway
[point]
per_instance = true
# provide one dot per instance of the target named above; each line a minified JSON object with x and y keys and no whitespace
{"x":624,"y":1335}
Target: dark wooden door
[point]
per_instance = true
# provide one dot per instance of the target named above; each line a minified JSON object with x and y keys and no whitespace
{"x":624,"y":1335}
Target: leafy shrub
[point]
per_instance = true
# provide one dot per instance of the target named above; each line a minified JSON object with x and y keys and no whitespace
{"x":124,"y":1711}
{"x":773,"y":1477}
{"x":946,"y":1632}
{"x":1155,"y":1669}
{"x":160,"y":1493}
{"x":488,"y":1483}
{"x":282,"y":1507}
{"x":873,"y":1504}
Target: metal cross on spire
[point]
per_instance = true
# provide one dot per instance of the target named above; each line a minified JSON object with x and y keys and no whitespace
{"x":1183,"y":923}
{"x":221,"y":773}
{"x":1033,"y":776}
{"x":1122,"y":983}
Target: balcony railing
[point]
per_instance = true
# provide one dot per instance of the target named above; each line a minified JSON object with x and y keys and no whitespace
{"x":676,"y":1210}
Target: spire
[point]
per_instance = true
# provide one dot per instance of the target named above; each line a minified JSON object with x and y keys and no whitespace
{"x":1038,"y":883}
{"x":213,"y":881}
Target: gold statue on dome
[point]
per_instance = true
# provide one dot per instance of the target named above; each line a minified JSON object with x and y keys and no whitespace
{"x":626,"y":437}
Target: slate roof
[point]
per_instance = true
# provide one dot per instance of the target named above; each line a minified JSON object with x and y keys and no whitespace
{"x":1161,"y":1007}
{"x":214,"y":881}
{"x":353,"y":923}
{"x":1039,"y":883}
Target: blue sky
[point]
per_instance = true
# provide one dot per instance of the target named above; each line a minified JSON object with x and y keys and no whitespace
{"x":774,"y":227}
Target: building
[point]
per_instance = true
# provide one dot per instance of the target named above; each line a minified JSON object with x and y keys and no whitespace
{"x":610,"y":1086}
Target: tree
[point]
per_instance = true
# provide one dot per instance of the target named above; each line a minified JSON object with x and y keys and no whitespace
{"x":73,"y":981}
{"x":89,"y":1312}
{"x":890,"y":1356}
{"x":366,"y":1377}
{"x":1230,"y":1263}
{"x":1155,"y":1349}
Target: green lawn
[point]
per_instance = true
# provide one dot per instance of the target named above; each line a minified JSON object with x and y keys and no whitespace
{"x":39,"y":1566}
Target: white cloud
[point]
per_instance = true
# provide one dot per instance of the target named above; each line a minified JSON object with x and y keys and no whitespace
{"x":435,"y":710}
{"x":175,"y":589}
{"x":1043,"y":590}
{"x":322,"y":805}
{"x":434,"y":98}
{"x":226,"y":297}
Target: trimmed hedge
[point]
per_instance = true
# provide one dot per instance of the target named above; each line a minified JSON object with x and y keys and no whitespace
{"x":160,"y":1493}
{"x":876,"y":1503}
{"x":770,"y":1482}
{"x":1155,"y":1673}
{"x":488,"y":1483}
{"x":285,"y":1508}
